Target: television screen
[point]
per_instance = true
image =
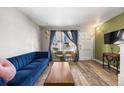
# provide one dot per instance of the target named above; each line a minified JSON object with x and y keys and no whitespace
{"x":107,"y":39}
{"x":112,"y":37}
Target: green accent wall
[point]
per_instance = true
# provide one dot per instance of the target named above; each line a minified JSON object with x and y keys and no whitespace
{"x":109,"y":26}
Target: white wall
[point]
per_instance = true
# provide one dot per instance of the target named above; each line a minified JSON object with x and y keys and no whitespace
{"x":18,"y":34}
{"x":44,"y":40}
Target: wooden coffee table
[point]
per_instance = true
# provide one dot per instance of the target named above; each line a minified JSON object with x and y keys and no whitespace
{"x":60,"y":75}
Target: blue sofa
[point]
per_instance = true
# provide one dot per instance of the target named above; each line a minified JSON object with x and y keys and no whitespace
{"x":29,"y":67}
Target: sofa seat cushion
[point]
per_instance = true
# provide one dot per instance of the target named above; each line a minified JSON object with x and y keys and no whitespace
{"x":2,"y":82}
{"x":20,"y":77}
{"x":43,"y":61}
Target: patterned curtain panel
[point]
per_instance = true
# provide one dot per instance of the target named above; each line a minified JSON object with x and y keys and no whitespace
{"x":52,"y":34}
{"x":73,"y":36}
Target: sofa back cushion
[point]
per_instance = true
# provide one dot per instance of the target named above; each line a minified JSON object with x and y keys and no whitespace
{"x":22,"y":60}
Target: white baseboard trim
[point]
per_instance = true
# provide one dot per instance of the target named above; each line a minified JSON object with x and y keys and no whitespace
{"x":85,"y":60}
{"x":121,"y":80}
{"x":104,"y":63}
{"x":98,"y":61}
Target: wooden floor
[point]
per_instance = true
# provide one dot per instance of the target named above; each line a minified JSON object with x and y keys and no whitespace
{"x":87,"y":73}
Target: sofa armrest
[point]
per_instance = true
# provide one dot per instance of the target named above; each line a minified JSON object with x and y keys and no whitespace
{"x":42,"y":55}
{"x":2,"y":82}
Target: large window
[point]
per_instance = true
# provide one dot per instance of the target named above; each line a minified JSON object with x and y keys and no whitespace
{"x":62,"y":43}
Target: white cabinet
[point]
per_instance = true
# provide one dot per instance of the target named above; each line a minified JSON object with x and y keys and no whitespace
{"x":85,"y":42}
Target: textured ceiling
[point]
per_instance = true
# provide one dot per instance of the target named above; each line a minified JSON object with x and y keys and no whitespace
{"x":70,"y":16}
